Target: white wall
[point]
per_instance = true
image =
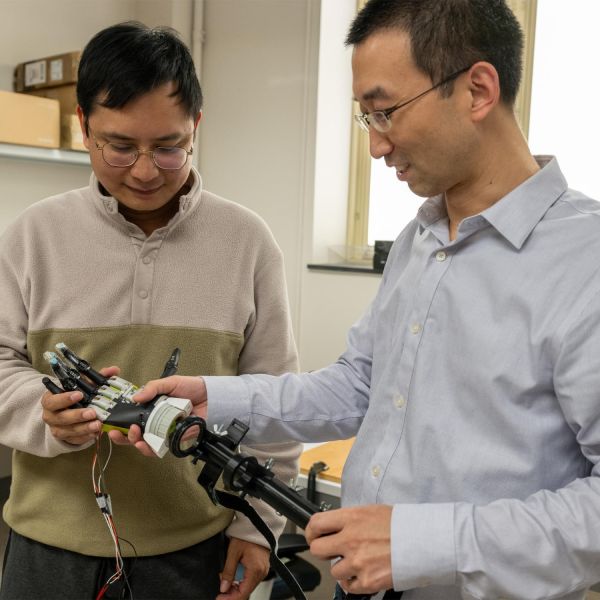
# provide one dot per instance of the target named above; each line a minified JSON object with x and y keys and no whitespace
{"x":257,"y":143}
{"x":256,"y":138}
{"x":31,"y":29}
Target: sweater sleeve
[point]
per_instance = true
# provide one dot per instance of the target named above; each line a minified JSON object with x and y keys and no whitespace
{"x":269,"y":347}
{"x":21,"y":388}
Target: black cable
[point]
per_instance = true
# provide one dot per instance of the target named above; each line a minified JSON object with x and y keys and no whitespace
{"x":240,"y":505}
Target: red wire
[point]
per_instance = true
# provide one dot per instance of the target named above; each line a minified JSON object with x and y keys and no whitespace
{"x":101,"y":592}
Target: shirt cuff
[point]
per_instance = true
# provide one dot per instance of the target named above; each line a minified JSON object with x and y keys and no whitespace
{"x":228,"y":399}
{"x":423,"y":550}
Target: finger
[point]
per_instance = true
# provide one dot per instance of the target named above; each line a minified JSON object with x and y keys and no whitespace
{"x":328,"y":547}
{"x":324,"y":523}
{"x":117,"y":437}
{"x":145,"y":449}
{"x":110,"y":371}
{"x":85,"y":431}
{"x":341,"y":570}
{"x":251,"y":579}
{"x":68,"y":416}
{"x":134,"y":434}
{"x":233,"y":593}
{"x":155,"y":387}
{"x":78,"y":440}
{"x":231,"y":563}
{"x":56,"y":402}
{"x":130,"y":439}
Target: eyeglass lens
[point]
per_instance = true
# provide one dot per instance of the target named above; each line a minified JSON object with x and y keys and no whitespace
{"x":125,"y":156}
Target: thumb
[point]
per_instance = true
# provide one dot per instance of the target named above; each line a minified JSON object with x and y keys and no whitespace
{"x":110,"y":371}
{"x":153,"y":388}
{"x":228,"y":574}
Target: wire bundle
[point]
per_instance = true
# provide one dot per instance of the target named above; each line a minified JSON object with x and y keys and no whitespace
{"x":104,"y":503}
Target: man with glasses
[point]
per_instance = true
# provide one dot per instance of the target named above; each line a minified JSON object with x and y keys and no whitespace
{"x":472,"y":382}
{"x":142,"y":261}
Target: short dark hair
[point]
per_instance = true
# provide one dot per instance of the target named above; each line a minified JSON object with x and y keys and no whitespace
{"x":125,"y":61}
{"x":449,"y":35}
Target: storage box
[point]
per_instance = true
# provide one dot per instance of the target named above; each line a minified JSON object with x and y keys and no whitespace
{"x":65,"y":94}
{"x":46,"y":72}
{"x":71,"y":137}
{"x":29,"y":120}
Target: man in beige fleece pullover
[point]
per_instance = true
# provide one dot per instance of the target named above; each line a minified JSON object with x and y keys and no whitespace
{"x":141,"y":261}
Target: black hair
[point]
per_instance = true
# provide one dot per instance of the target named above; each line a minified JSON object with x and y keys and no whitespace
{"x":450,"y":35}
{"x":125,"y":61}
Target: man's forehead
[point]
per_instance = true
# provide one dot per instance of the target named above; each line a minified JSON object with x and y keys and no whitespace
{"x":380,"y":63}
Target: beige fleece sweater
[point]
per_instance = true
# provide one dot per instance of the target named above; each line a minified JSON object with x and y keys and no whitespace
{"x":72,"y":269}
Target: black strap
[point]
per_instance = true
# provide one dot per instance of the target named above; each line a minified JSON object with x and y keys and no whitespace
{"x":240,"y":505}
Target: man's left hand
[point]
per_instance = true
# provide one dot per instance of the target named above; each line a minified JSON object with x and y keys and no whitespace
{"x":255,"y":560}
{"x":361,"y":538}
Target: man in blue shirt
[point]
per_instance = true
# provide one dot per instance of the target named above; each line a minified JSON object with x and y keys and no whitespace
{"x":472,"y":381}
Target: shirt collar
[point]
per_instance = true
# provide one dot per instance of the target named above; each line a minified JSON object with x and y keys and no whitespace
{"x":515,"y":215}
{"x":186,"y":201}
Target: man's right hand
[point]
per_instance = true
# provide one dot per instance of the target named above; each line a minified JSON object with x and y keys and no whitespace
{"x":177,"y":386}
{"x":76,"y":426}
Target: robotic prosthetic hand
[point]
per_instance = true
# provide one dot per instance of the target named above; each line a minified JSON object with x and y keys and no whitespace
{"x":111,"y":398}
{"x":166,"y":424}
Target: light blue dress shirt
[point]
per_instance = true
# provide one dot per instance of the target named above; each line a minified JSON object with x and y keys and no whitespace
{"x":473,"y":385}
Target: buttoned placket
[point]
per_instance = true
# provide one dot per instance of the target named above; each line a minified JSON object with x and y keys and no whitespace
{"x":143,"y":279}
{"x":437,"y":263}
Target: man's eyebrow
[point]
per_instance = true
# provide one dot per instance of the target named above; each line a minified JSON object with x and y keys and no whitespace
{"x":376,"y":93}
{"x":164,"y":138}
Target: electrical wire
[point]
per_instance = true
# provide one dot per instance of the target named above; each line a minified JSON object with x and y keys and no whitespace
{"x":104,"y":503}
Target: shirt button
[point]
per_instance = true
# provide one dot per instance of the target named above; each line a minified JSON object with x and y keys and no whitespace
{"x":146,"y":260}
{"x":441,"y":256}
{"x":375,"y":471}
{"x":143,"y":294}
{"x":399,"y":401}
{"x":416,"y":328}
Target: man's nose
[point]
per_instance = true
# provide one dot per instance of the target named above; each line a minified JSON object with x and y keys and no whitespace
{"x":379,"y":143}
{"x":144,"y":167}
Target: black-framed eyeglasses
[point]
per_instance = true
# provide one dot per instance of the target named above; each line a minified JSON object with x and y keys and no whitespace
{"x":168,"y":158}
{"x":380,"y":119}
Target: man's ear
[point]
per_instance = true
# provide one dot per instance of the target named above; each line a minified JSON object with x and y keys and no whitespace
{"x":197,"y":120}
{"x":484,"y":85}
{"x":82,"y":124}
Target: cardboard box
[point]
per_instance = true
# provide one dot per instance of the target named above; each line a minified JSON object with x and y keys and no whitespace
{"x":65,"y":94}
{"x":47,"y":72}
{"x":71,"y":137}
{"x":28,"y":120}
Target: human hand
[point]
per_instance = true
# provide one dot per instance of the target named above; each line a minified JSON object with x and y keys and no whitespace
{"x":178,"y":386}
{"x":72,"y":425}
{"x":360,"y":536}
{"x":255,"y":560}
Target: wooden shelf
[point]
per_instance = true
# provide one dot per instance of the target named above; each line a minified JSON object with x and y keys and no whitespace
{"x":69,"y":157}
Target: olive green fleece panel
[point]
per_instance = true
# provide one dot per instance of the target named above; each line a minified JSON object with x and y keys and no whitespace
{"x":158,"y":504}
{"x":142,"y":350}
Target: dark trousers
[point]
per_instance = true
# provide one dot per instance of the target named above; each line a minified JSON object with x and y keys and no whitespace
{"x":35,"y":571}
